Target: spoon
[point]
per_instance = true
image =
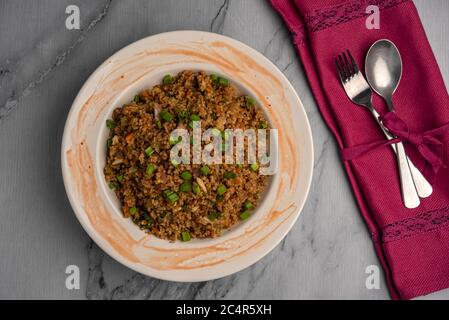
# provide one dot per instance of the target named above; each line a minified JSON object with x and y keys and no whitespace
{"x":383,"y":68}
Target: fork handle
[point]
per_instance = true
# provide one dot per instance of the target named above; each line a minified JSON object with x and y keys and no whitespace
{"x":408,"y":190}
{"x":423,"y":187}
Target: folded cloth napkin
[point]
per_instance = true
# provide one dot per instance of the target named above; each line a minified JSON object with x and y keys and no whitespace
{"x":412,"y":244}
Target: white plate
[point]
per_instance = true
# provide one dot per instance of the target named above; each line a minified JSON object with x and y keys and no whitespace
{"x":142,"y":65}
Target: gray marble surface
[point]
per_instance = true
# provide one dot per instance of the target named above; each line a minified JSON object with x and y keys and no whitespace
{"x":42,"y":67}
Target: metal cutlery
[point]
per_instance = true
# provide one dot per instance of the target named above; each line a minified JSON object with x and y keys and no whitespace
{"x":383,"y":69}
{"x":359,"y":92}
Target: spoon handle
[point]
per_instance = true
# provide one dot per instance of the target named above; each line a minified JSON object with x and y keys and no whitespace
{"x":423,"y":187}
{"x":409,"y":193}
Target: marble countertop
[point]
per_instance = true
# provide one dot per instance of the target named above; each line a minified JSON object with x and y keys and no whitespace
{"x":42,"y":67}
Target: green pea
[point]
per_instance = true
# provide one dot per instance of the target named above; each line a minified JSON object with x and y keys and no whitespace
{"x":186,"y":175}
{"x":195,"y":117}
{"x":244,"y":215}
{"x":166,"y":115}
{"x":149,"y":151}
{"x":111,"y":124}
{"x":250,"y":101}
{"x":230,"y":175}
{"x":167,"y":79}
{"x":248,"y":205}
{"x":221,"y":189}
{"x":113,"y":185}
{"x":214,"y":215}
{"x":223,"y":82}
{"x":196,"y":188}
{"x":185,"y":236}
{"x":254,"y":167}
{"x":185,"y":187}
{"x":205,"y":170}
{"x":150,"y":169}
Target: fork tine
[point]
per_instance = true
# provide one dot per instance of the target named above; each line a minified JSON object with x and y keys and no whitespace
{"x":354,"y":64}
{"x":348,"y":65}
{"x":340,"y":73}
{"x":343,"y":67}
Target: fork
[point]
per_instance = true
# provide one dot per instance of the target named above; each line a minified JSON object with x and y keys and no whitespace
{"x":360,"y":93}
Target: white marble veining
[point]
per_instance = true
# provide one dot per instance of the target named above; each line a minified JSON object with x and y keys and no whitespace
{"x":42,"y":67}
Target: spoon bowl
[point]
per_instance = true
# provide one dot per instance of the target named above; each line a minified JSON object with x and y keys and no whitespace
{"x":383,"y":68}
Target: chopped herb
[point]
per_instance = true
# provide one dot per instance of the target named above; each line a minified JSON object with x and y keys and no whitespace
{"x":221,"y":189}
{"x":223,"y":82}
{"x":248,"y":205}
{"x":183,"y":115}
{"x":196,"y":188}
{"x":219,"y":80}
{"x":174,"y":140}
{"x":167,"y":79}
{"x":214,"y":215}
{"x":219,"y":197}
{"x":263,"y":125}
{"x":150,"y":169}
{"x":250,"y":101}
{"x":171,"y":196}
{"x":133,"y":210}
{"x":150,"y":221}
{"x":185,"y":187}
{"x":110,"y":124}
{"x":205,"y":170}
{"x":108,"y":143}
{"x":113,"y":185}
{"x":174,"y":162}
{"x":158,"y":124}
{"x":195,"y":117}
{"x":149,"y":151}
{"x":137,"y":98}
{"x":166,"y":116}
{"x":185,"y":236}
{"x":254,"y":167}
{"x":244,"y":215}
{"x":120,"y":178}
{"x":186,"y":175}
{"x":214,"y":78}
{"x":230,"y":175}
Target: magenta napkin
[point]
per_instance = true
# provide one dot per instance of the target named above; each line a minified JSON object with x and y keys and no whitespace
{"x":412,"y":244}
